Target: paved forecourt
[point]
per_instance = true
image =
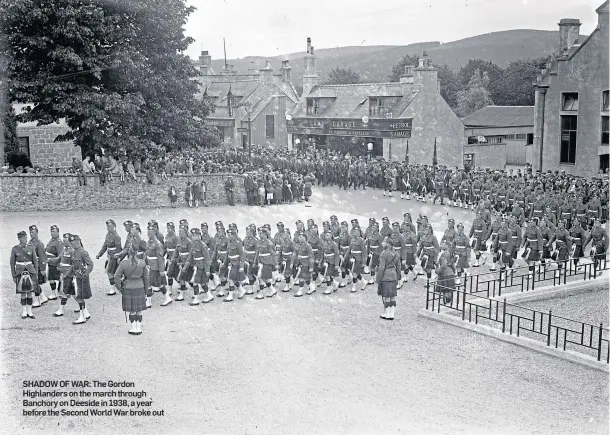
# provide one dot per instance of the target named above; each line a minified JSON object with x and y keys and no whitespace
{"x":311,"y":365}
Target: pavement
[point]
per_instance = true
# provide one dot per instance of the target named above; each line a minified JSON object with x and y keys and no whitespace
{"x":311,"y":365}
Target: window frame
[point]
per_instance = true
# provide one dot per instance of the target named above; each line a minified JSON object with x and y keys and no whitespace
{"x":564,"y":96}
{"x":561,"y":140}
{"x":605,"y":101}
{"x":606,"y":132}
{"x":267,"y":117}
{"x":25,"y":139}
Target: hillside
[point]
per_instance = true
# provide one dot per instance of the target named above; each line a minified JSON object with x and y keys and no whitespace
{"x":374,"y":63}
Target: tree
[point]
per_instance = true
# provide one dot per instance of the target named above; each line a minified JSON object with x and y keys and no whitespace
{"x":114,"y":70}
{"x":9,"y":124}
{"x":494,"y":72}
{"x":342,"y":76}
{"x":475,"y":96}
{"x":450,"y":84}
{"x":517,"y":81}
{"x":399,"y":68}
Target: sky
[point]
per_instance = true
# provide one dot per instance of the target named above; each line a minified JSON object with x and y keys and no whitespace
{"x":276,"y":27}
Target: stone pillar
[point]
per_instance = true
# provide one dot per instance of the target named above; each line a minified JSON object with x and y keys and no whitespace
{"x":539,"y":103}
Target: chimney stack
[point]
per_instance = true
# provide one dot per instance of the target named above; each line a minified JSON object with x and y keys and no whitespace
{"x":602,"y":16}
{"x":569,"y":29}
{"x":266,"y":74}
{"x":310,"y":73}
{"x":205,"y":62}
{"x":309,"y":45}
{"x":285,"y":71}
{"x":407,"y":76}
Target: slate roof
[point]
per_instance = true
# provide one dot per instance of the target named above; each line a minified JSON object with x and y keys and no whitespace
{"x":501,"y":116}
{"x":351,"y":101}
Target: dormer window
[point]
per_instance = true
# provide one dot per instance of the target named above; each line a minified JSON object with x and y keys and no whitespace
{"x":313,"y":106}
{"x":377,"y":107}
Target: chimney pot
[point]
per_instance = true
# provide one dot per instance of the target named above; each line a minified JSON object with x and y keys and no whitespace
{"x":569,"y":29}
{"x":308,"y":45}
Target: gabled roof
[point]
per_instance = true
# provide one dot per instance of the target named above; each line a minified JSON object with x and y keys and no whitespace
{"x":501,"y":116}
{"x":351,"y":101}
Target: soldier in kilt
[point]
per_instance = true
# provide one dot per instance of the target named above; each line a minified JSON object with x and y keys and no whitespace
{"x":178,"y":269}
{"x":286,"y":251}
{"x":533,"y":244}
{"x":52,"y":251}
{"x":357,"y":253}
{"x":131,"y":279}
{"x":112,"y":245}
{"x":221,"y":258}
{"x":577,"y":235}
{"x":302,"y":264}
{"x":267,"y":263}
{"x":199,"y":260}
{"x":251,"y":266}
{"x":170,"y":243}
{"x":41,"y":267}
{"x":210,"y":242}
{"x":331,"y":260}
{"x":24,"y":264}
{"x":155,"y":261}
{"x":234,"y":264}
{"x":599,"y":243}
{"x":445,"y":283}
{"x":313,"y":238}
{"x":461,"y":251}
{"x":81,"y":269}
{"x":66,"y":285}
{"x":387,"y":278}
{"x":343,"y":242}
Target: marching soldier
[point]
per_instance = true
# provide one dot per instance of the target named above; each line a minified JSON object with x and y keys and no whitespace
{"x":170,"y":243}
{"x":199,"y":260}
{"x":533,"y":244}
{"x":154,"y":259}
{"x":344,"y":241}
{"x":503,"y":247}
{"x":478,"y":231}
{"x":210,"y":243}
{"x":251,"y":266}
{"x":221,"y":241}
{"x":24,"y":269}
{"x":267,"y":262}
{"x":385,"y":230}
{"x":53,"y":251}
{"x":449,"y":234}
{"x":302,"y":265}
{"x":235,"y":265}
{"x":398,"y":243}
{"x":407,"y":224}
{"x":300,"y":231}
{"x":594,"y":209}
{"x":112,"y":245}
{"x":81,"y":269}
{"x":563,"y":245}
{"x":331,"y":263}
{"x":516,"y":236}
{"x":335,"y":228}
{"x":66,"y":286}
{"x":131,"y":279}
{"x":356,"y":254}
{"x":566,"y":211}
{"x":461,"y":251}
{"x":439,"y":186}
{"x":41,"y":267}
{"x":599,"y":242}
{"x":177,"y":269}
{"x":577,"y":234}
{"x":286,"y":251}
{"x":410,"y":240}
{"x":427,"y":250}
{"x":387,"y":278}
{"x":314,"y":240}
{"x":550,"y":218}
{"x":546,"y":234}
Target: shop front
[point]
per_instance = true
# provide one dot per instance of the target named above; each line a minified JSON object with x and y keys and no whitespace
{"x":225,"y":127}
{"x":356,"y":137}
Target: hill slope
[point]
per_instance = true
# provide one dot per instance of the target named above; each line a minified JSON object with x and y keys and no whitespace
{"x":374,"y":63}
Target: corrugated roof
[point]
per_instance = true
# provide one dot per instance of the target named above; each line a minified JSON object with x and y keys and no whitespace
{"x":351,"y":100}
{"x":501,"y":116}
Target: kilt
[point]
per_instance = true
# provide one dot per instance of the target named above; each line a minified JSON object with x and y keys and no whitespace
{"x":24,"y":280}
{"x":578,"y":253}
{"x":287,"y":268}
{"x":462,"y":262}
{"x":346,"y":264}
{"x":534,"y":255}
{"x":67,"y":287}
{"x":156,"y":280}
{"x":251,"y":270}
{"x":409,"y":259}
{"x":305,"y":273}
{"x":374,"y":262}
{"x":83,"y":288}
{"x":52,"y":273}
{"x":111,"y":266}
{"x":223,"y":271}
{"x":41,"y":278}
{"x":186,"y":273}
{"x":563,"y":253}
{"x":198,"y":276}
{"x":214,"y":266}
{"x":331,"y":271}
{"x":357,"y":269}
{"x":387,"y":289}
{"x":513,"y":253}
{"x":173,"y":270}
{"x":235,"y":274}
{"x":134,"y":300}
{"x":429,"y":263}
{"x":546,"y":253}
{"x":266,"y":271}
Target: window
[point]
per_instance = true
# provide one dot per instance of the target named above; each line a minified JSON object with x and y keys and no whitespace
{"x":494,"y":139}
{"x":530,"y":139}
{"x":230,"y":105}
{"x":313,"y":106}
{"x":605,"y":101}
{"x":570,"y":101}
{"x":24,"y":145}
{"x":520,"y":136}
{"x":604,"y":130}
{"x":569,"y":125}
{"x":270,"y":126}
{"x":376,"y":107}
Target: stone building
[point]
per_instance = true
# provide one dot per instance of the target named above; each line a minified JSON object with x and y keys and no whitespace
{"x":38,"y":143}
{"x":571,"y":104}
{"x":387,"y":117}
{"x":497,"y":136}
{"x":255,"y":103}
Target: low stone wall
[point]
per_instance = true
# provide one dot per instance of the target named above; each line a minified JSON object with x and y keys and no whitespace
{"x":30,"y":192}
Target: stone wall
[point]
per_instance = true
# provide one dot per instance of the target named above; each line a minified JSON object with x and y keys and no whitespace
{"x":488,"y":155}
{"x":44,"y":150}
{"x":28,"y":192}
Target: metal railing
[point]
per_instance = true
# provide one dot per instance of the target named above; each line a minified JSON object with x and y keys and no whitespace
{"x":523,"y":280}
{"x":557,"y":331}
